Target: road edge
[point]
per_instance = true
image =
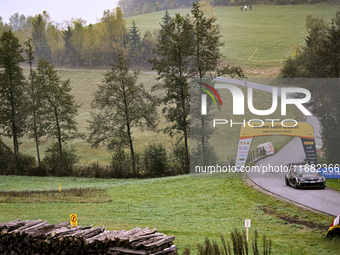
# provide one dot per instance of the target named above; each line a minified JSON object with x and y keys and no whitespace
{"x":251,"y":184}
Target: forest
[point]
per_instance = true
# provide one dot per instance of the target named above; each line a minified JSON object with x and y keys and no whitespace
{"x":75,"y":43}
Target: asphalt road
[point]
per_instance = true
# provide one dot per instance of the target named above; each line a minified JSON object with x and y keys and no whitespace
{"x":323,"y":200}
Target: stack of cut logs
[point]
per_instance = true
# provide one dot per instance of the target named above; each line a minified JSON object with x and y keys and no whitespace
{"x":39,"y":237}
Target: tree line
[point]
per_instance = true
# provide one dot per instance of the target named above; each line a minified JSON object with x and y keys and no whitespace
{"x":74,"y":43}
{"x":320,"y":58}
{"x":41,"y":105}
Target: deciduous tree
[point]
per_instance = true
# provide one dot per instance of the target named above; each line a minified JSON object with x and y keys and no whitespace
{"x":12,"y":90}
{"x":35,"y":117}
{"x":60,"y":109}
{"x":77,"y":39}
{"x":121,"y":106}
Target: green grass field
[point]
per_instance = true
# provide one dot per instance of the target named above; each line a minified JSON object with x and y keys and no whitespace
{"x":189,"y":208}
{"x":272,"y":30}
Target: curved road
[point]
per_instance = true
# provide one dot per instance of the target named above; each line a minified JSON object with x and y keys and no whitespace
{"x":326,"y":201}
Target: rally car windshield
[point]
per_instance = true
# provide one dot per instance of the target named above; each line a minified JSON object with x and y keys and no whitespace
{"x":305,"y":171}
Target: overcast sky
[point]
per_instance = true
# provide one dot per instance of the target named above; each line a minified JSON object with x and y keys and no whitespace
{"x":59,"y":10}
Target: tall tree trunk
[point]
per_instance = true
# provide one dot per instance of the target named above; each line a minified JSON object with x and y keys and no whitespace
{"x":203,"y":130}
{"x":187,"y":166}
{"x":15,"y":135}
{"x":128,"y":128}
{"x":36,"y":138}
{"x":132,"y":151}
{"x":37,"y":147}
{"x":15,"y":146}
{"x":59,"y":139}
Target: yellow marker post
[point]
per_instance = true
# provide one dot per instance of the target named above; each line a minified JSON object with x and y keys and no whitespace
{"x":73,"y":220}
{"x":59,"y":187}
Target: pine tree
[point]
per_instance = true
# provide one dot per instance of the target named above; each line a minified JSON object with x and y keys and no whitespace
{"x":42,"y":49}
{"x":135,"y":43}
{"x":165,"y":19}
{"x":204,"y":69}
{"x":172,"y":60}
{"x":70,"y":52}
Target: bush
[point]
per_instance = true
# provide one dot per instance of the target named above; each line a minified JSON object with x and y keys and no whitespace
{"x":25,"y":164}
{"x":52,"y":161}
{"x":208,"y":159}
{"x":6,"y":159}
{"x":38,"y":171}
{"x":178,"y":159}
{"x":121,"y":164}
{"x":155,"y":160}
{"x":94,"y":170}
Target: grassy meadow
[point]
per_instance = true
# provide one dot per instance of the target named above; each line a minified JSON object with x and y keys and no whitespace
{"x":273,"y":30}
{"x":190,"y":208}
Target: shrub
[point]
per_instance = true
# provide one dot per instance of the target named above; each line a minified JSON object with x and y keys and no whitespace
{"x":25,"y":164}
{"x":52,"y":162}
{"x":121,"y":164}
{"x":6,"y":159}
{"x":208,"y":159}
{"x":38,"y":171}
{"x":178,"y":159}
{"x":155,"y":160}
{"x":94,"y":170}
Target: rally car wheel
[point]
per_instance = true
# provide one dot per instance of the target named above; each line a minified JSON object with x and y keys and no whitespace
{"x":287,"y":182}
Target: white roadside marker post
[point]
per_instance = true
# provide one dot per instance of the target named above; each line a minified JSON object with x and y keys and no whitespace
{"x":247,"y":225}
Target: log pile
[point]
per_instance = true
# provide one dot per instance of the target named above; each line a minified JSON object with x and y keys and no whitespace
{"x":39,"y":237}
